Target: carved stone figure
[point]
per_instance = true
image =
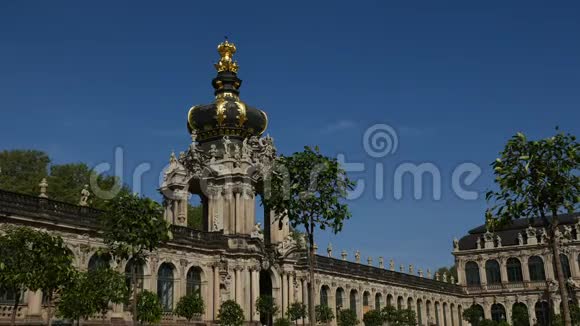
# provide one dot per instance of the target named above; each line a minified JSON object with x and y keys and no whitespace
{"x":455,"y":244}
{"x":392,"y":265}
{"x":381,"y":262}
{"x":428,"y":273}
{"x":357,"y":257}
{"x":226,"y":141}
{"x":445,"y":277}
{"x":329,"y":249}
{"x":43,"y":187}
{"x":498,"y":238}
{"x":213,"y":152}
{"x":85,"y":194}
{"x":402,"y":268}
{"x":411,"y":270}
{"x":370,"y":261}
{"x":193,"y":144}
{"x":344,"y":254}
{"x":520,"y":239}
{"x":257,"y":232}
{"x":237,"y":152}
{"x":420,"y":272}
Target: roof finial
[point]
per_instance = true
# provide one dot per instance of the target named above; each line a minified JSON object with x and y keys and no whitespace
{"x":226,"y":51}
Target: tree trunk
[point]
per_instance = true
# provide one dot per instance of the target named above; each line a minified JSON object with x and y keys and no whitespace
{"x":311,"y":262}
{"x":559,"y":272}
{"x":49,"y":309}
{"x":15,"y":307}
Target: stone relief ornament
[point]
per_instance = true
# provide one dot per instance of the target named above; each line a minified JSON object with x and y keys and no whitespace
{"x":227,"y":142}
{"x":213,"y":152}
{"x":455,"y":244}
{"x":257,"y":232}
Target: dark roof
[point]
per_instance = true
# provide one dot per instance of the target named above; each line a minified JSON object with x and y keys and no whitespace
{"x":509,"y":232}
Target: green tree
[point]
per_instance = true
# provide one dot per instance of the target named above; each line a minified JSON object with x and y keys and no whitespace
{"x":520,"y":315}
{"x":76,"y":300}
{"x":230,"y":314}
{"x":347,"y":317}
{"x":67,"y":180}
{"x":282,"y":322}
{"x":148,"y":308}
{"x":58,"y":270}
{"x":538,"y":179}
{"x":574,"y":316}
{"x":373,"y":318}
{"x":22,"y":170}
{"x":473,"y":314}
{"x":488,"y":322}
{"x":190,"y":306}
{"x":324,"y":314}
{"x":267,"y":307}
{"x":32,"y":260}
{"x":132,"y":228}
{"x":107,"y":286}
{"x":309,"y":189}
{"x":296,"y":311}
{"x":195,"y":216}
{"x":389,"y":313}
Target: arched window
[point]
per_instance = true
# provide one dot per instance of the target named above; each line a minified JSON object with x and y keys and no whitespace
{"x":460,"y":315}
{"x":410,"y":303}
{"x":428,"y":306}
{"x":324,"y":295}
{"x":542,"y":310}
{"x":452,"y":313}
{"x":378,"y":301}
{"x":366,"y":302}
{"x":492,"y":272}
{"x":514,"y":270}
{"x":472,"y":274}
{"x":353,"y":303}
{"x":98,"y":261}
{"x":193,"y":281}
{"x":520,"y":316}
{"x":444,"y":313}
{"x":497,"y":312}
{"x":129,"y":275}
{"x":165,"y":286}
{"x":565,"y":266}
{"x":400,"y":303}
{"x":419,"y":312}
{"x":389,"y":300}
{"x":536,"y":267}
{"x":339,"y":299}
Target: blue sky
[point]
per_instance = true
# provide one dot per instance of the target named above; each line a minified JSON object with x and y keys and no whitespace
{"x":454,"y":79}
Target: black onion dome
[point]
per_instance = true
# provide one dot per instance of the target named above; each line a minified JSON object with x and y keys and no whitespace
{"x":228,"y":115}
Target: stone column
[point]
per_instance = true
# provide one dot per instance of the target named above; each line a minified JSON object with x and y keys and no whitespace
{"x":482,"y":274}
{"x":238,"y":285}
{"x":574,"y":264}
{"x":487,"y":310}
{"x":503,"y":270}
{"x":34,"y":305}
{"x":239,"y":213}
{"x":231,"y":210}
{"x":216,"y":292}
{"x":525,"y":269}
{"x":531,"y":311}
{"x":290,"y":289}
{"x":460,"y":272}
{"x":549,"y":267}
{"x":249,"y":208}
{"x":247,"y":275}
{"x":305,"y":295}
{"x":255,"y":284}
{"x":284,"y":291}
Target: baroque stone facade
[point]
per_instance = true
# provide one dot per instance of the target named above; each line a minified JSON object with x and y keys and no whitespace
{"x":233,"y":257}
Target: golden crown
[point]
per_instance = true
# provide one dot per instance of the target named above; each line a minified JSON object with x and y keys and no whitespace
{"x":226,"y":63}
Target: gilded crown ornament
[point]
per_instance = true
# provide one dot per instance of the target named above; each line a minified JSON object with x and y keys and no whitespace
{"x":226,"y":63}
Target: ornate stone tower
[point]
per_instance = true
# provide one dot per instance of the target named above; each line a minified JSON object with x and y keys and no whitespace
{"x":225,"y":162}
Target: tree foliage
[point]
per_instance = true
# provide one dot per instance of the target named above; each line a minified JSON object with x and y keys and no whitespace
{"x":195,"y":216}
{"x":149,"y":309}
{"x":399,"y":317}
{"x":132,"y":228}
{"x":347,"y":317}
{"x":230,"y":314}
{"x":34,"y":260}
{"x":373,"y":318}
{"x":282,"y":322}
{"x":324,"y":314}
{"x":22,"y":170}
{"x":296,"y":311}
{"x":520,"y":316}
{"x":538,"y":179}
{"x":473,"y":315}
{"x":190,"y":306}
{"x":266,"y":306}
{"x":309,"y":189}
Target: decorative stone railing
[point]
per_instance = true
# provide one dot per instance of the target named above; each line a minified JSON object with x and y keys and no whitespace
{"x":6,"y":311}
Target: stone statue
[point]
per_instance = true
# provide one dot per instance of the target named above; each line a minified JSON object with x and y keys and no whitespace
{"x":428,"y":273}
{"x":437,"y":278}
{"x":85,"y":194}
{"x":370,"y":261}
{"x":315,"y":248}
{"x":246,"y":149}
{"x":498,"y":238}
{"x":344,"y":254}
{"x":237,"y":152}
{"x":329,"y":249}
{"x":452,"y":279}
{"x":411,"y":271}
{"x":43,"y":187}
{"x":213,"y":152}
{"x":455,"y":244}
{"x":227,"y":142}
{"x":420,"y":272}
{"x":193,"y":144}
{"x":381,"y":262}
{"x":520,"y":239}
{"x":257,"y":232}
{"x":445,"y":277}
{"x":357,"y":256}
{"x":392,"y":265}
{"x":402,"y":268}
{"x":478,"y":242}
